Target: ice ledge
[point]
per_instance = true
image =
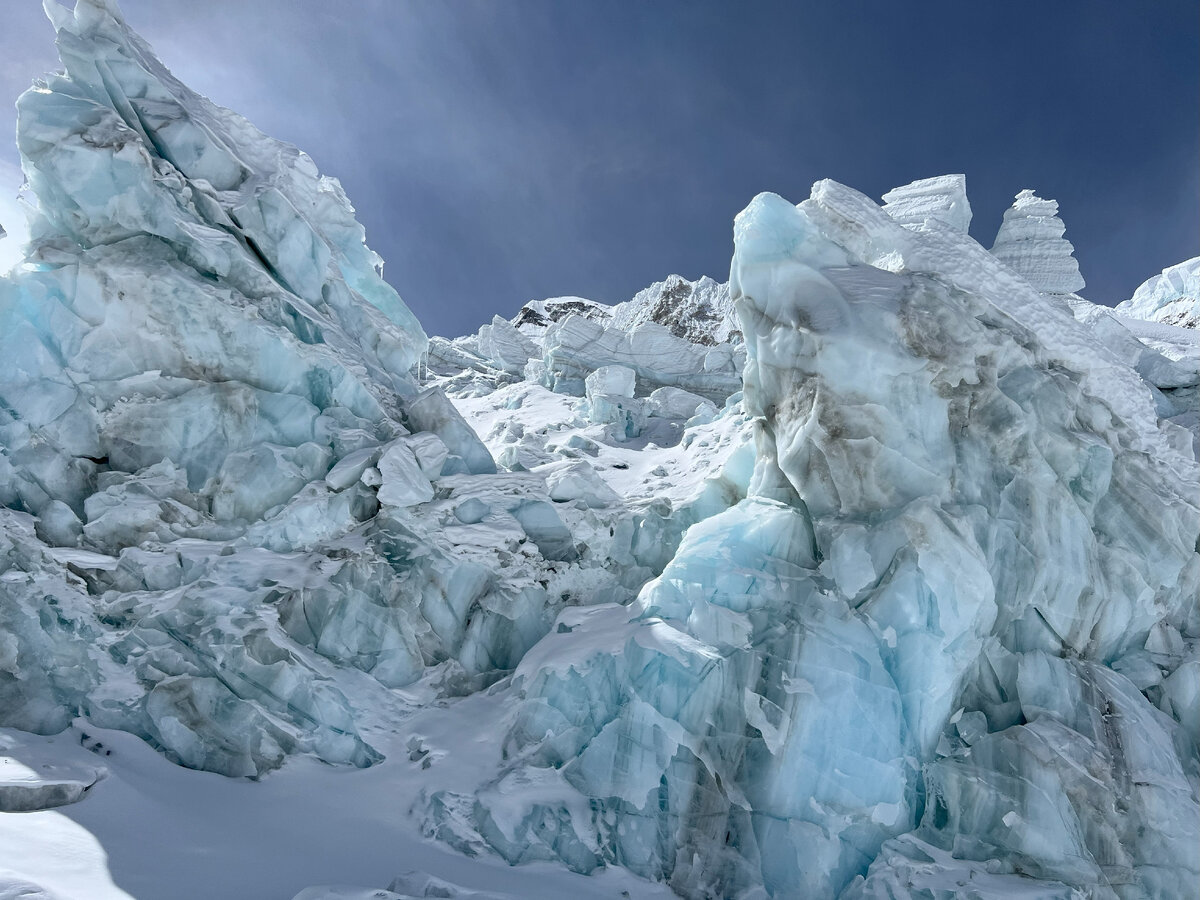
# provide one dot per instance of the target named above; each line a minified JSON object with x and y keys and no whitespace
{"x":943,"y":197}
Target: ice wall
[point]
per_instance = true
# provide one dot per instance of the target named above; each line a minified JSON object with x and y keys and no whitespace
{"x":952,"y":631}
{"x":182,"y":261}
{"x":224,"y":496}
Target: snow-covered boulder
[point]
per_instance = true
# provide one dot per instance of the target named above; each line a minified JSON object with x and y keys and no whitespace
{"x":576,"y":480}
{"x":402,"y":483}
{"x":676,"y":403}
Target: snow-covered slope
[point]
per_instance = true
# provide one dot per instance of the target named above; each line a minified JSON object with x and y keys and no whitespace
{"x":871,"y":573}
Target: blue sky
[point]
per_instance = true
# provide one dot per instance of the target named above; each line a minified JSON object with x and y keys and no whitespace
{"x":502,"y":150}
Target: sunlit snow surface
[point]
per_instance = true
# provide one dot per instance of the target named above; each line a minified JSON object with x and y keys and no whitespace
{"x":870,"y":573}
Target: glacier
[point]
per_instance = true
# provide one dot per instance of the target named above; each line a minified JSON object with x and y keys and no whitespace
{"x":218,"y":465}
{"x":965,"y":517}
{"x":871,"y":572}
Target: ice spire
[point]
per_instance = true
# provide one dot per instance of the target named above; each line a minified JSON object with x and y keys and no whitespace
{"x":167,"y":163}
{"x":1031,"y":243}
